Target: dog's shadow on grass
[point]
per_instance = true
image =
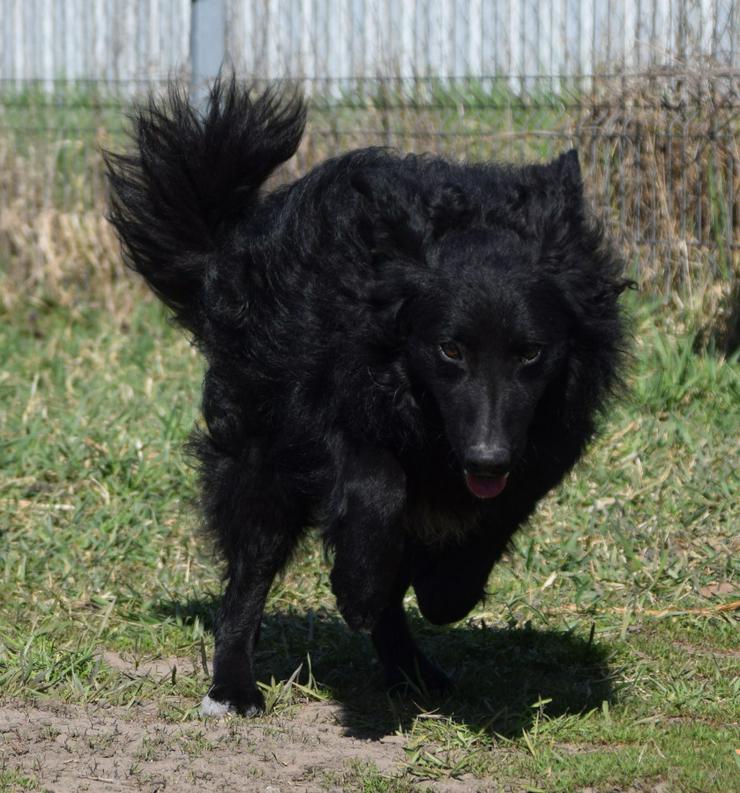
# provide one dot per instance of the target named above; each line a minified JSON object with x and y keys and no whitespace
{"x":505,"y":678}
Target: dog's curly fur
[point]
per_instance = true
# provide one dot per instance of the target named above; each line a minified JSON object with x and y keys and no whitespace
{"x":391,"y":342}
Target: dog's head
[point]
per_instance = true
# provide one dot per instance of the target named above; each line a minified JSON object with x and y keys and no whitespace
{"x":484,"y":340}
{"x":507,"y":296}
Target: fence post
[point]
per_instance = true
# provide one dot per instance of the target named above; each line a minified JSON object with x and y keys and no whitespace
{"x":207,"y":46}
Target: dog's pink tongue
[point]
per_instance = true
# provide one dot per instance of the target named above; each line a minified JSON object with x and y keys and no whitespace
{"x":485,"y":486}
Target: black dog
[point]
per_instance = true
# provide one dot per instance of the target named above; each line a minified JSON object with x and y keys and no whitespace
{"x":403,"y":351}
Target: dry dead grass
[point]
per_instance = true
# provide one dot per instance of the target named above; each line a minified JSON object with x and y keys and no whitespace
{"x":660,"y":155}
{"x":663,"y":155}
{"x":56,"y":249}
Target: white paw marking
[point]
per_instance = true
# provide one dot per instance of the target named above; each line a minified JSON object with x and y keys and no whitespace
{"x":210,"y":707}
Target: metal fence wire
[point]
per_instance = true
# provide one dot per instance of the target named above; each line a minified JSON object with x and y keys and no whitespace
{"x":647,"y":90}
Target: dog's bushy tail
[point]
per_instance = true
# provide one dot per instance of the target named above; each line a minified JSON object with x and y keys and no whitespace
{"x":191,"y":176}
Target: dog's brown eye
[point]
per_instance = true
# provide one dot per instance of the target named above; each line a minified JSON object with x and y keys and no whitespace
{"x":450,"y":350}
{"x":530,"y":354}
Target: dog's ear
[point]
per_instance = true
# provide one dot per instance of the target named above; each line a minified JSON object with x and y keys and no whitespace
{"x":511,"y":208}
{"x":393,"y":222}
{"x":573,"y":235}
{"x":448,"y":208}
{"x":564,"y":218}
{"x":567,"y":171}
{"x":401,"y":220}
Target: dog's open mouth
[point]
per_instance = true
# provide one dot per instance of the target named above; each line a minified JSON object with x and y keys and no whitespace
{"x":485,"y":486}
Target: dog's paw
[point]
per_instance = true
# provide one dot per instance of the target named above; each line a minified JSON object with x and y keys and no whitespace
{"x":220,"y":701}
{"x":359,"y":609}
{"x":360,"y":615}
{"x":213,"y":708}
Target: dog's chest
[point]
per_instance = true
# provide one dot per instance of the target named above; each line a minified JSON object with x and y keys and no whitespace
{"x":438,"y":521}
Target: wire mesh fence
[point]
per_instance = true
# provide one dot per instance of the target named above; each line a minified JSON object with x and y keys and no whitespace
{"x":647,"y":90}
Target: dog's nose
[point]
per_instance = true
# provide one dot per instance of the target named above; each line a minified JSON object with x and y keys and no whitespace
{"x":488,"y":460}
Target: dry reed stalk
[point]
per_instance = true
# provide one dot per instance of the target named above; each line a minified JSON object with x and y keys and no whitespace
{"x":667,"y":148}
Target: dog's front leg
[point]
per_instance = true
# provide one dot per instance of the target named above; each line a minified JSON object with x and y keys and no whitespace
{"x":450,"y":582}
{"x":366,"y":530}
{"x":404,"y":664}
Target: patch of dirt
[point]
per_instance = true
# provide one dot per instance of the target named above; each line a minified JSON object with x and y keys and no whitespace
{"x":710,"y":651}
{"x":71,"y":749}
{"x":156,"y":668}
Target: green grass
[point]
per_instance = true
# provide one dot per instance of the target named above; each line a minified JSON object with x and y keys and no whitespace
{"x":600,"y":660}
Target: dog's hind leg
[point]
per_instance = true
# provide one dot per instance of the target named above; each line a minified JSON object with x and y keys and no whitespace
{"x":257,"y":527}
{"x":366,"y":531}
